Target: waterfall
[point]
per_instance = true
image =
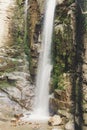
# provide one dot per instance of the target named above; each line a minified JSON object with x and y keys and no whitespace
{"x":26,"y":8}
{"x":41,"y":108}
{"x":25,"y":21}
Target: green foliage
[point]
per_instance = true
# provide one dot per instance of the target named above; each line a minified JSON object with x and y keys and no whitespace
{"x":3,"y":84}
{"x":20,"y":2}
{"x":57,"y":70}
{"x":20,"y":28}
{"x":62,"y":49}
{"x":17,"y":29}
{"x":11,"y":66}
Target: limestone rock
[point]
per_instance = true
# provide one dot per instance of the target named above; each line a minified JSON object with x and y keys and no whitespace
{"x":41,"y":5}
{"x":13,"y":120}
{"x":85,"y":107}
{"x":53,"y":105}
{"x":55,"y":120}
{"x":85,"y":97}
{"x":59,"y":28}
{"x":64,"y":113}
{"x":51,"y":87}
{"x":60,"y":1}
{"x":58,"y":93}
{"x":56,"y":104}
{"x":6,"y":12}
{"x":84,"y":128}
{"x":18,"y":116}
{"x":69,"y":125}
{"x":85,"y":118}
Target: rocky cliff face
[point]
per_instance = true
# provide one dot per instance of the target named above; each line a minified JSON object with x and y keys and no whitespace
{"x":64,"y":25}
{"x":15,"y":80}
{"x":6,"y":13}
{"x":62,"y":50}
{"x":69,"y":53}
{"x":84,"y":66}
{"x":34,"y":34}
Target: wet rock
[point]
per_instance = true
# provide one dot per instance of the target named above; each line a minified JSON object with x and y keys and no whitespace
{"x":84,"y":128}
{"x":5,"y":109}
{"x":13,"y":91}
{"x":18,"y":116}
{"x":1,"y":122}
{"x":28,"y":92}
{"x":69,"y":125}
{"x":55,"y":120}
{"x":59,"y":28}
{"x":51,"y":87}
{"x":16,"y":75}
{"x":6,"y":11}
{"x":85,"y":107}
{"x":64,"y":113}
{"x":60,"y":1}
{"x":13,"y":120}
{"x":57,"y":129}
{"x":85,"y":118}
{"x":41,"y":5}
{"x":58,"y":93}
{"x":53,"y":106}
{"x":85,"y":97}
{"x":56,"y":104}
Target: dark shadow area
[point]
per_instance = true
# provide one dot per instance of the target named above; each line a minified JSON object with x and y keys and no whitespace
{"x":77,"y":71}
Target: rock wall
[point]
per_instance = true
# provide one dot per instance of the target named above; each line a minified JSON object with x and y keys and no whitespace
{"x":15,"y":79}
{"x":18,"y":62}
{"x":84,"y":67}
{"x":62,"y":48}
{"x":41,"y":4}
{"x":63,"y":51}
{"x":6,"y":13}
{"x":34,"y":34}
{"x":36,"y":11}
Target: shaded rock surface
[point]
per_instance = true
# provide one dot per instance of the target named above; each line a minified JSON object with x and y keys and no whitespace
{"x":59,"y":101}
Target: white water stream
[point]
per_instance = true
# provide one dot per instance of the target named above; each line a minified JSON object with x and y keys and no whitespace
{"x":41,"y":107}
{"x":25,"y":20}
{"x":26,"y":11}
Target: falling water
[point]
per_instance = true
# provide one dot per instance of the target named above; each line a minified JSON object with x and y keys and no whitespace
{"x":25,"y":21}
{"x":41,"y":108}
{"x":26,"y":8}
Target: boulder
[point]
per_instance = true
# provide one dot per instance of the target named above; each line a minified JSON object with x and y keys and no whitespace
{"x":51,"y":87}
{"x":58,"y":93}
{"x":55,"y":120}
{"x":13,"y":120}
{"x":64,"y":113}
{"x":56,"y":104}
{"x":85,"y":118}
{"x":18,"y":116}
{"x":84,"y":128}
{"x":53,"y":105}
{"x":69,"y":125}
{"x":60,"y":1}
